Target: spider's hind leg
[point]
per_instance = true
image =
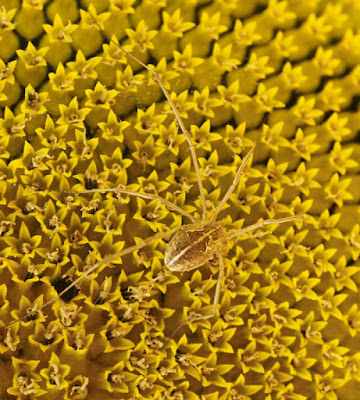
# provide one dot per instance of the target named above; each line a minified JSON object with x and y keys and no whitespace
{"x":216,"y":300}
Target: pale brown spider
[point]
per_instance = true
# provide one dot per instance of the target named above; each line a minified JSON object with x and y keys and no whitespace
{"x":191,"y":245}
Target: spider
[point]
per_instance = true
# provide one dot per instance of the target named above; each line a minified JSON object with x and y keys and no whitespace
{"x":192,"y":244}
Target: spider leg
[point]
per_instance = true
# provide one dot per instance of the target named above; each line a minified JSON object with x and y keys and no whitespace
{"x":238,"y":232}
{"x":217,"y":291}
{"x":212,"y":313}
{"x":176,"y":114}
{"x":233,"y":185}
{"x":148,"y":196}
{"x":96,"y":266}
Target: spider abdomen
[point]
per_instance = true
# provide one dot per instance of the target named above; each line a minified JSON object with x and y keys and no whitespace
{"x":193,"y":245}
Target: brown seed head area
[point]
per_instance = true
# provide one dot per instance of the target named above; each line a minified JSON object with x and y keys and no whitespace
{"x":193,"y":245}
